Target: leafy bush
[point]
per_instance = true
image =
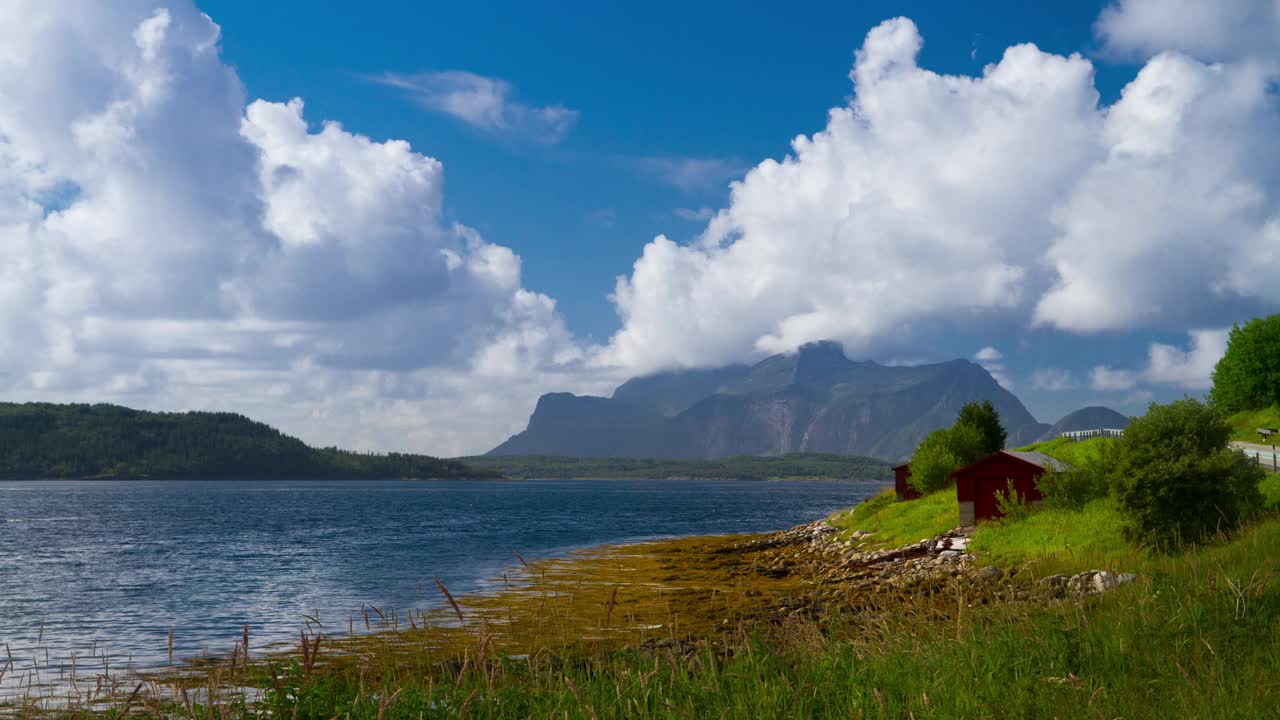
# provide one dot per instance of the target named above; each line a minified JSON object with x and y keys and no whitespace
{"x":1176,"y":479}
{"x":943,"y":452}
{"x":1091,"y":476}
{"x":1248,"y":375}
{"x":984,"y":418}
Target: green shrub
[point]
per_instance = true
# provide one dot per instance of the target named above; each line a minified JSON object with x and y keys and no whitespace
{"x":1090,"y":477}
{"x":1176,"y":479}
{"x":1013,"y":506}
{"x":943,"y":452}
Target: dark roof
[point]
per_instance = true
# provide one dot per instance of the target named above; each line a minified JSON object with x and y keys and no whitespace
{"x":903,"y":465}
{"x":1038,"y":459}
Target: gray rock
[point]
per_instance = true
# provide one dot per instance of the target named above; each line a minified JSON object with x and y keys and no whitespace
{"x":1102,"y":581}
{"x":990,"y":573}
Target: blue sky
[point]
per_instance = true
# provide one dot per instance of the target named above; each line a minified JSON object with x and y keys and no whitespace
{"x":701,"y":81}
{"x":1085,"y":218}
{"x":670,"y":80}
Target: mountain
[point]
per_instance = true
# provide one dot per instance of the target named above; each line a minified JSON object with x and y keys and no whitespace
{"x":1090,"y":418}
{"x":565,"y":424}
{"x":815,"y":400}
{"x":43,"y":440}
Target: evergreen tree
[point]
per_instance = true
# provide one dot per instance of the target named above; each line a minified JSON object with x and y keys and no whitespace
{"x":984,"y":418}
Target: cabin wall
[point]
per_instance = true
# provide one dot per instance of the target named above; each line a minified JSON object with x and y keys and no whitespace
{"x":979,"y":488}
{"x":902,"y":483}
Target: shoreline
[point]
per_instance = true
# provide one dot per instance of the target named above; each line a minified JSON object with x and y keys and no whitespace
{"x":779,"y":604}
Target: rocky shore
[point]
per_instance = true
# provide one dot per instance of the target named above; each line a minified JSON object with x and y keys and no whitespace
{"x":853,"y":572}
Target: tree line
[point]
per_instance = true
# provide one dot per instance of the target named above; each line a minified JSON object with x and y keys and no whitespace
{"x":42,"y":440}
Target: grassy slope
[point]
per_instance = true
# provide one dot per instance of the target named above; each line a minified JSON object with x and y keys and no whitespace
{"x":1069,"y":451}
{"x":896,"y":523}
{"x":1067,"y":539}
{"x":1076,"y":538}
{"x":1086,"y":539}
{"x":1244,"y":426}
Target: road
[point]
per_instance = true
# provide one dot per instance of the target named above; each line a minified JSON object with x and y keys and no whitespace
{"x":1262,"y":453}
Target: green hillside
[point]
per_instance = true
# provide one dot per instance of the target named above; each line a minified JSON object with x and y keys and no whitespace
{"x":41,"y":440}
{"x":792,"y":466}
{"x":1070,"y":451}
{"x":1244,"y":425}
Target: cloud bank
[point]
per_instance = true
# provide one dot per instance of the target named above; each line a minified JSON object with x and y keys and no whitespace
{"x":935,"y":200}
{"x":166,"y":243}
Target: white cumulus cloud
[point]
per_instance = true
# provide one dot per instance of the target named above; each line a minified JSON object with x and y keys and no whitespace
{"x":935,"y":200}
{"x":1216,"y":30}
{"x":167,"y":243}
{"x":1192,"y":368}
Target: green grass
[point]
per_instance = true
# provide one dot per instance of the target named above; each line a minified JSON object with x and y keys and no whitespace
{"x":1270,"y":488}
{"x":1244,"y":425}
{"x":1083,"y":539}
{"x":1070,"y":451}
{"x":1072,"y":538}
{"x":900,"y":523}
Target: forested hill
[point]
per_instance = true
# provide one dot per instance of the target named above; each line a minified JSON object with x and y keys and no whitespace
{"x":742,"y":467}
{"x":40,"y":440}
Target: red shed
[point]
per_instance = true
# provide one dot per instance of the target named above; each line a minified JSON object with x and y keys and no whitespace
{"x":978,"y":486}
{"x":901,"y":476}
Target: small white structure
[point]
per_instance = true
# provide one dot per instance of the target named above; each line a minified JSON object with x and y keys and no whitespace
{"x":1094,"y":433}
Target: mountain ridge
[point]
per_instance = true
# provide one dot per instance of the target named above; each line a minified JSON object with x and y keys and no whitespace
{"x":813,"y":400}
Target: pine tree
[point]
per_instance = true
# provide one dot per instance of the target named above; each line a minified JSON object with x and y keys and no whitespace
{"x":984,"y":418}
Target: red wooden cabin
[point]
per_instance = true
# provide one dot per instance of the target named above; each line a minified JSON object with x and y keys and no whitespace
{"x":902,"y":484}
{"x":978,"y":486}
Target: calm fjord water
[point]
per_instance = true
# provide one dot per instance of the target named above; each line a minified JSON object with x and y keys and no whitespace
{"x":120,"y":562}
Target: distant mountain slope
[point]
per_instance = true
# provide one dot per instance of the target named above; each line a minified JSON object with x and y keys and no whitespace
{"x":816,"y":400}
{"x":41,"y":440}
{"x":565,"y":424}
{"x":1090,"y":418}
{"x":671,"y":393}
